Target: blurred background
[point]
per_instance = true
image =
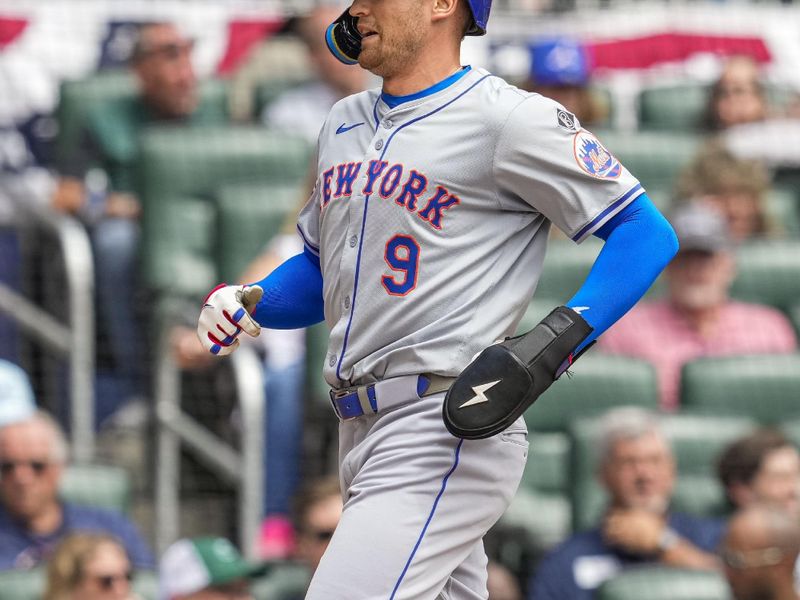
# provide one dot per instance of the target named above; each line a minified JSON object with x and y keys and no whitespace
{"x":152,"y":149}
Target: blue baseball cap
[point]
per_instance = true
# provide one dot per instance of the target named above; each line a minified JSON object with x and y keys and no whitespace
{"x":559,"y":61}
{"x":16,"y":395}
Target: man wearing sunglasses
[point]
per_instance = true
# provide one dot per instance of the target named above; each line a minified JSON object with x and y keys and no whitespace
{"x":33,"y":519}
{"x":759,"y":553}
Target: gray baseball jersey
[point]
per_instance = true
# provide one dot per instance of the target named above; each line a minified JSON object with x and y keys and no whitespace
{"x":431,"y":219}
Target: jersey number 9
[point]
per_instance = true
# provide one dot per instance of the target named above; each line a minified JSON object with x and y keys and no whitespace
{"x":402,"y":256}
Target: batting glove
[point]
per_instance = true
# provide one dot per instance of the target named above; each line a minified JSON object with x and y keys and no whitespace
{"x":225,"y":314}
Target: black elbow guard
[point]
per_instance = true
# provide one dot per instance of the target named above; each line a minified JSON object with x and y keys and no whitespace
{"x":506,"y":378}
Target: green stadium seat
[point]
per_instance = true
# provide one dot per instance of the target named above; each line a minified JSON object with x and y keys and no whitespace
{"x":283,"y":581}
{"x":764,"y":387}
{"x":547,"y":468}
{"x":792,"y":430}
{"x":316,"y":354}
{"x":673,"y":108}
{"x":22,"y":584}
{"x":768,"y":271}
{"x":663,"y":583}
{"x":696,"y":442}
{"x":654,"y":157}
{"x":97,"y":485}
{"x":598,"y":382}
{"x":183,"y":247}
{"x":545,"y":518}
{"x":783,"y":209}
{"x":78,"y":98}
{"x":794,"y":316}
{"x":566,"y":265}
{"x":249,"y":216}
{"x":268,"y":91}
{"x":178,"y":162}
{"x":145,"y":585}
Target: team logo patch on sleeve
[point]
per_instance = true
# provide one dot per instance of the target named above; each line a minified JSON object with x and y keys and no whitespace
{"x":593,"y":157}
{"x":566,"y":119}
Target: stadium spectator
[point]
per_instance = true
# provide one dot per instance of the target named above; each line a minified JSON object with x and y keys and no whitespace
{"x":560,"y":69}
{"x":737,"y":97}
{"x":98,"y":183}
{"x":697,"y":318}
{"x":303,"y":109}
{"x":206,"y":568}
{"x":33,"y":520}
{"x":734,"y":187}
{"x":16,"y":395}
{"x":317,"y":510}
{"x":637,"y":469}
{"x":762,"y":468}
{"x":89,"y":566}
{"x":759,"y":553}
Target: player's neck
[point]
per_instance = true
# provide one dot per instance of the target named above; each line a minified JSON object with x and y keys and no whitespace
{"x":434,"y":64}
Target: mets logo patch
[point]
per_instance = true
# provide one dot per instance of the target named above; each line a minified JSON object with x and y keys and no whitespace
{"x":593,"y":157}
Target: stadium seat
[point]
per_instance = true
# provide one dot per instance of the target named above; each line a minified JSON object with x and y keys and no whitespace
{"x":316,"y":353}
{"x":145,"y":585}
{"x":22,"y":584}
{"x":267,"y":91}
{"x":783,"y":210}
{"x":545,"y":518}
{"x":565,"y":268}
{"x":598,"y":382}
{"x":654,"y":157}
{"x":283,"y":581}
{"x":794,"y":316}
{"x":696,"y":442}
{"x":249,"y":215}
{"x":664,"y":583}
{"x":97,"y":485}
{"x":673,"y":108}
{"x":764,"y":387}
{"x":792,"y":430}
{"x":768,"y":271}
{"x":196,"y":162}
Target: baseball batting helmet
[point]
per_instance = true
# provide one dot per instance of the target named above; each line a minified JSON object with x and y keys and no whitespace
{"x":344,"y":41}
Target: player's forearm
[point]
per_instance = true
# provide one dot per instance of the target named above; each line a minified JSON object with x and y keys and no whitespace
{"x":292,"y":294}
{"x":639,"y":242}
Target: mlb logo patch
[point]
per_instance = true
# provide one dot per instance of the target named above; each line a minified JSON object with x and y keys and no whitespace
{"x":593,"y":157}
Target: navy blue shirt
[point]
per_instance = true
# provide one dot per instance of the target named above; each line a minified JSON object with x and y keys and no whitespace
{"x":574,"y":569}
{"x":22,"y":549}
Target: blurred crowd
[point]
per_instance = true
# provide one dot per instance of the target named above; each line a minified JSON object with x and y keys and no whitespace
{"x":726,"y":515}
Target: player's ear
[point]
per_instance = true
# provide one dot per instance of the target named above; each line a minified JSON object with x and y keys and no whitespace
{"x":443,"y":9}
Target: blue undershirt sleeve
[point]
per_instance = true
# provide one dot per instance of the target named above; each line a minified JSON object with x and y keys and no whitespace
{"x":639,"y":242}
{"x":292,"y":294}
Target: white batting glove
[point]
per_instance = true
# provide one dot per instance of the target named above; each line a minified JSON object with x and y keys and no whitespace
{"x":225,"y":314}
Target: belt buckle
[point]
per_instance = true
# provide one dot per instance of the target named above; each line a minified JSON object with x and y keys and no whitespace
{"x":336,"y":395}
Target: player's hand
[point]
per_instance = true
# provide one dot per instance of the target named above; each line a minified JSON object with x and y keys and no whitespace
{"x":637,"y":531}
{"x":225,"y":314}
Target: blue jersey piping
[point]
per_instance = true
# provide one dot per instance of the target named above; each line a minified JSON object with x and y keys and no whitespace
{"x":428,"y":522}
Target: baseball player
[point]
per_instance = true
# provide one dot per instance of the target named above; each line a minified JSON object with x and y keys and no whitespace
{"x":424,"y":240}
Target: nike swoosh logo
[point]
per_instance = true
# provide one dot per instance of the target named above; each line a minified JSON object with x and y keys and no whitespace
{"x":343,"y":129}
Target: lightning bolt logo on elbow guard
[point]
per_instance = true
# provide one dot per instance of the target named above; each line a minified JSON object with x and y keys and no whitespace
{"x":480,"y":395}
